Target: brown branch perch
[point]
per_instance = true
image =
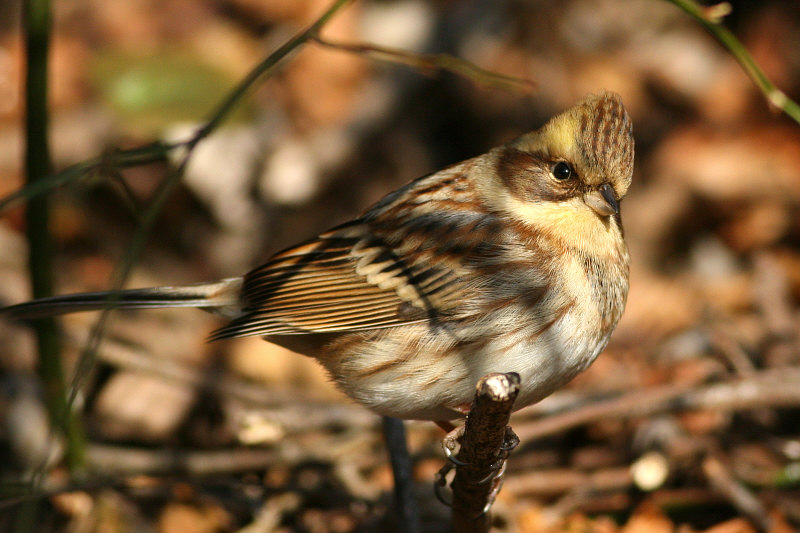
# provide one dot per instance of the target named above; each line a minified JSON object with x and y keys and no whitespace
{"x":483,"y":450}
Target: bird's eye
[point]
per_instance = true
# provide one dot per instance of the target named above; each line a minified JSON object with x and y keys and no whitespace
{"x":562,"y":171}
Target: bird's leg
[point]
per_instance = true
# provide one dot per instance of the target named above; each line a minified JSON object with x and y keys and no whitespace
{"x":450,"y":444}
{"x":440,"y":482}
{"x":446,"y":425}
{"x":452,"y":440}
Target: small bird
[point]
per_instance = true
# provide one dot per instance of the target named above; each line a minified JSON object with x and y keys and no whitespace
{"x":512,"y":261}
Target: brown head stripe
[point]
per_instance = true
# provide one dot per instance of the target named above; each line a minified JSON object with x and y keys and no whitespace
{"x":606,"y":136}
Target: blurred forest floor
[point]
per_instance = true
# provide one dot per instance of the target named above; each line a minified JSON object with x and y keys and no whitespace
{"x":687,"y":422}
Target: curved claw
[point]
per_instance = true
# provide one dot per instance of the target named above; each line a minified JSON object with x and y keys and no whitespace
{"x":510,"y":441}
{"x":498,"y":469}
{"x":451,"y":457}
{"x":497,"y":479}
{"x":441,"y":482}
{"x":496,"y":474}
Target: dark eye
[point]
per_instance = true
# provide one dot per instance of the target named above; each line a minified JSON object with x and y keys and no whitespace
{"x":562,"y":171}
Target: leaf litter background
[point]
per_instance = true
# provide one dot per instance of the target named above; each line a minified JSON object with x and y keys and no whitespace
{"x":687,"y":422}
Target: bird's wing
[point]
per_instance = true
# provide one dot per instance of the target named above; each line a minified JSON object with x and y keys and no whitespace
{"x":404,"y":262}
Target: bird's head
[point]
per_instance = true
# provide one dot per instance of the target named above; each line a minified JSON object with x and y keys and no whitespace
{"x":570,"y":174}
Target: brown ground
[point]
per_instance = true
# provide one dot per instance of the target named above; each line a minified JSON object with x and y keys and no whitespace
{"x":688,"y":421}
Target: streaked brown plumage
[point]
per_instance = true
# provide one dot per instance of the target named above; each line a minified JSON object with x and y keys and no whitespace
{"x":510,"y":261}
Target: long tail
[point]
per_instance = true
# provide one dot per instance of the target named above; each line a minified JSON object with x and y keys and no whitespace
{"x":220,"y":297}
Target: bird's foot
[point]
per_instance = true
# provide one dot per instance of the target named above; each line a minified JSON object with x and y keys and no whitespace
{"x":510,"y":442}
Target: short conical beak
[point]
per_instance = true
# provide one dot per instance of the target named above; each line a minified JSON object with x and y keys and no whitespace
{"x":603,"y":200}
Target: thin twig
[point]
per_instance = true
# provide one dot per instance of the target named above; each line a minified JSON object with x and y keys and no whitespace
{"x":554,"y":482}
{"x":721,"y":479}
{"x":155,"y":152}
{"x":121,"y":461}
{"x":711,"y":18}
{"x":433,"y":63}
{"x":770,"y":388}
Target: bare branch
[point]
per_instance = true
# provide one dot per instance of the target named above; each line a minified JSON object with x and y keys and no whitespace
{"x":771,"y":388}
{"x":428,"y":63}
{"x":482,"y":451}
{"x":721,"y":479}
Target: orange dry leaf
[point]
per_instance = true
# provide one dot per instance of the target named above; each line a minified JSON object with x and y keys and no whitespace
{"x":737,"y":525}
{"x":182,"y":518}
{"x":649,"y":519}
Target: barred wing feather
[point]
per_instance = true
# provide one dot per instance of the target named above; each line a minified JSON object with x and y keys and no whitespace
{"x":348,"y":279}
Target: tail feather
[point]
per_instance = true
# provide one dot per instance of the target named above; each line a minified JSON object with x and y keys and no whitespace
{"x":220,"y":297}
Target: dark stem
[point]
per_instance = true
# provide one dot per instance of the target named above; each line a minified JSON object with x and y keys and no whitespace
{"x":36,"y":21}
{"x":407,"y":513}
